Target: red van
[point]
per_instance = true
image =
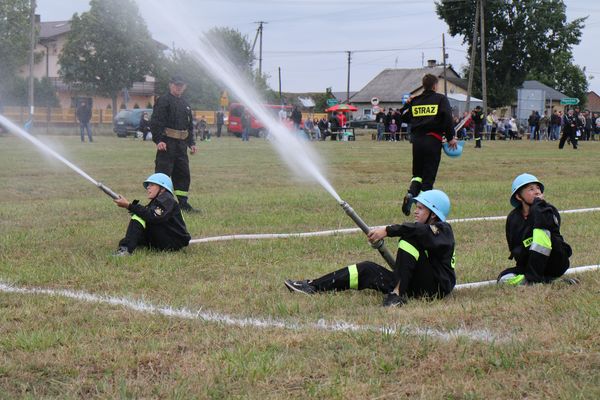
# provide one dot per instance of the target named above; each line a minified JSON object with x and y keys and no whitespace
{"x":234,"y":120}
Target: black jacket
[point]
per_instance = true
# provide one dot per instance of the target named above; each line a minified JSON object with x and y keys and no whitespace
{"x":429,"y":112}
{"x":438,"y":241}
{"x":174,"y":113}
{"x":163,"y":220}
{"x":519,"y":230}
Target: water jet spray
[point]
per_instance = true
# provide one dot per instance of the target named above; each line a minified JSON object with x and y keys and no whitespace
{"x":379,"y":245}
{"x":10,"y":126}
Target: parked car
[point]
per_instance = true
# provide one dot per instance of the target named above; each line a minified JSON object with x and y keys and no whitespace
{"x":234,"y":119}
{"x":364,"y":122}
{"x":128,"y":121}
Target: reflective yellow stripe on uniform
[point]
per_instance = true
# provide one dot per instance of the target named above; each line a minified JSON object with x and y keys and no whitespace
{"x":527,"y":242}
{"x":181,"y":193}
{"x":417,"y":179}
{"x":541,"y":241}
{"x":425,"y":110}
{"x":409,"y":248}
{"x":453,"y":260}
{"x":139,"y":219}
{"x":353,"y":271}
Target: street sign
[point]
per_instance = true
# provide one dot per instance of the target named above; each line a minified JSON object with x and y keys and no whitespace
{"x":224,"y":101}
{"x":569,"y":101}
{"x":374,"y":101}
{"x":332,"y":102}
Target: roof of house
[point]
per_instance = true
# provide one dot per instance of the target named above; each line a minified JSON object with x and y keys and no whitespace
{"x":392,"y":83}
{"x":51,"y":29}
{"x":342,"y":95}
{"x":550,"y":92}
{"x":593,"y":101}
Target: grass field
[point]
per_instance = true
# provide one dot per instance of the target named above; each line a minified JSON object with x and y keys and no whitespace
{"x":58,"y":231}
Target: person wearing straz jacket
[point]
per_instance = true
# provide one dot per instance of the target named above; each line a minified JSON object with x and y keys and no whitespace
{"x":159,"y":224}
{"x":533,"y":236}
{"x":173,"y":132}
{"x":430,"y":118}
{"x":424,"y":262}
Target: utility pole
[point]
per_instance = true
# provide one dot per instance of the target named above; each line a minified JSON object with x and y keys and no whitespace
{"x":259,"y":34}
{"x":472,"y":61}
{"x":444,"y":59}
{"x":280,"y":100}
{"x":348,"y":81}
{"x":31,"y":53}
{"x":483,"y":64}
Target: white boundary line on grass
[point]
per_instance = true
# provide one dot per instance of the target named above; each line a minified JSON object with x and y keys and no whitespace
{"x":347,"y":230}
{"x":264,"y":323}
{"x":479,"y":335}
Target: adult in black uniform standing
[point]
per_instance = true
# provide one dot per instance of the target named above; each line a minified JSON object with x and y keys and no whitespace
{"x":173,"y":132}
{"x":430,"y":119}
{"x":569,"y":130}
{"x":478,"y":119}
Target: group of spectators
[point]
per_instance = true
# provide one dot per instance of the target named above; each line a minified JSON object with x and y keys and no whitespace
{"x":389,"y":126}
{"x":587,"y":124}
{"x":583,"y":125}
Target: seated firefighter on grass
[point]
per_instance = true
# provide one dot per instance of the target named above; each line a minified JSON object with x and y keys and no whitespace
{"x":533,"y":236}
{"x":424,"y":262}
{"x":157,"y":225}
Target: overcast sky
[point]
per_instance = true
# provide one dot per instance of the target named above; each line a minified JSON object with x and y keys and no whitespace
{"x":308,"y":39}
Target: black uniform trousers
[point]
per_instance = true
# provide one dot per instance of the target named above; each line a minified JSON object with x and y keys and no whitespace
{"x":416,"y":276}
{"x":477,"y":134}
{"x":571,"y":135}
{"x":426,"y":156}
{"x":542,"y":268}
{"x":152,"y":236}
{"x":174,"y":162}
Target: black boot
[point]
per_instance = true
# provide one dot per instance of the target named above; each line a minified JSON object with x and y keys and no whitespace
{"x":185,"y":206}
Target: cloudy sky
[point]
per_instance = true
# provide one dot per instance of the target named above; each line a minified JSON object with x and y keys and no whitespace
{"x":309,"y":39}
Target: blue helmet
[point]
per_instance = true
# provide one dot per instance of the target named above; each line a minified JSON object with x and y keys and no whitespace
{"x":457,"y":152}
{"x":161,"y":180}
{"x":519,"y":182}
{"x":436,"y":201}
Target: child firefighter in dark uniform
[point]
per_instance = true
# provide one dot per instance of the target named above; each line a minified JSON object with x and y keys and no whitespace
{"x":424,"y":263}
{"x":533,"y":236}
{"x":158,"y":225}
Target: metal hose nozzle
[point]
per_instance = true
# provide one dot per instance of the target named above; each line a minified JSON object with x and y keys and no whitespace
{"x":379,"y":245}
{"x":107,"y":190}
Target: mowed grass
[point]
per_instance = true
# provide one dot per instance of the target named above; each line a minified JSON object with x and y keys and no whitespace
{"x":58,"y":231}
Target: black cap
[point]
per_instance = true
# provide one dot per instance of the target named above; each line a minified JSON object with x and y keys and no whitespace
{"x":177,"y":80}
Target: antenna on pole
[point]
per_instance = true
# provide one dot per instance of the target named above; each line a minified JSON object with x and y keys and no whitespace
{"x":259,"y":35}
{"x":348,"y":82}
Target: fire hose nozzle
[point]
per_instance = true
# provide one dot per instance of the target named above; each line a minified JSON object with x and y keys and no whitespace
{"x":107,"y":190}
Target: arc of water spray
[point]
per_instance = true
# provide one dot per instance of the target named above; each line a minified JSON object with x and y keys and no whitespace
{"x":296,"y":153}
{"x":47,"y":150}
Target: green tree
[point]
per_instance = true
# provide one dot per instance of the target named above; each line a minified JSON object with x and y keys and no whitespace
{"x":203,"y":91}
{"x":14,"y":43}
{"x":523,"y":39}
{"x":18,"y":92}
{"x":108,"y":49}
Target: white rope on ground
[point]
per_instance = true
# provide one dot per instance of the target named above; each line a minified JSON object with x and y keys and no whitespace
{"x":574,"y":270}
{"x":332,"y":232}
{"x":264,"y":323}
